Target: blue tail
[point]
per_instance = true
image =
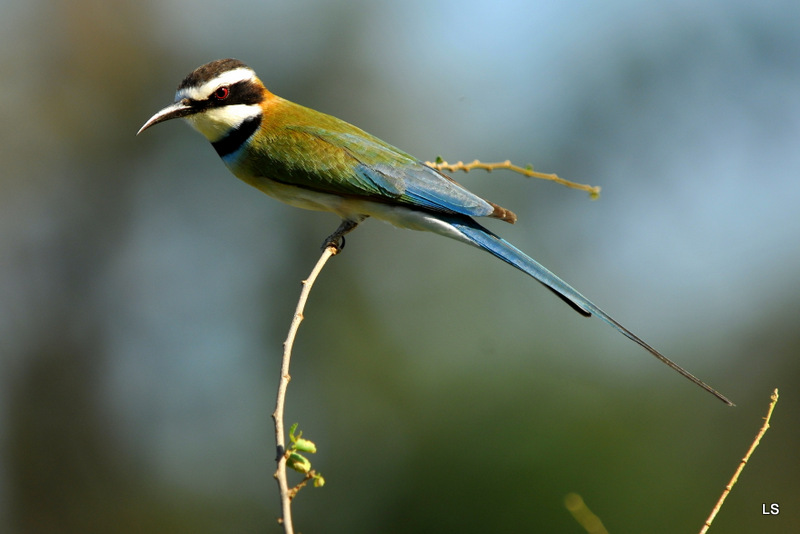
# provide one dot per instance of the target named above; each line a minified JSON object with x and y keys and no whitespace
{"x":483,"y":238}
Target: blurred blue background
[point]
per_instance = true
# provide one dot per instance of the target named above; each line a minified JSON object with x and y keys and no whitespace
{"x":146,"y":292}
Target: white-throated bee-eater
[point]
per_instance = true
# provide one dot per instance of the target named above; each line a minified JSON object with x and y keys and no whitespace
{"x":315,"y":161}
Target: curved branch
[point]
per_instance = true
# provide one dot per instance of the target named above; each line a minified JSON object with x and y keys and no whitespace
{"x":280,"y":437}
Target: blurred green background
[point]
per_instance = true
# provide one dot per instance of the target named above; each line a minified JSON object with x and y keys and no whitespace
{"x":146,"y":292}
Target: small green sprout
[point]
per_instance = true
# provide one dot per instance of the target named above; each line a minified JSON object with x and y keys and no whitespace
{"x":297,"y":461}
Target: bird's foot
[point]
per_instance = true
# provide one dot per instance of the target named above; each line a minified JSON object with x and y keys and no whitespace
{"x":336,"y":240}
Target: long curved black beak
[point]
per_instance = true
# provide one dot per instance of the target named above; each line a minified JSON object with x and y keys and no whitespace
{"x":177,"y":110}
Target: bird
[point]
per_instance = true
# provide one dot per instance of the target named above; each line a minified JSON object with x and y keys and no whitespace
{"x":315,"y":161}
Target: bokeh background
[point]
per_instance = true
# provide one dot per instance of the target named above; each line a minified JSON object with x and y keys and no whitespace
{"x":145,"y":292}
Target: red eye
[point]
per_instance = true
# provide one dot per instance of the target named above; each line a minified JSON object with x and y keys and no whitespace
{"x":222,"y":93}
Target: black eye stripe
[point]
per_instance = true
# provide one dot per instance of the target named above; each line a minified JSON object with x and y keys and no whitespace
{"x":245,"y":92}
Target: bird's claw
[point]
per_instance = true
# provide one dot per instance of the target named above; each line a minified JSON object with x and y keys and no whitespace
{"x":334,"y":241}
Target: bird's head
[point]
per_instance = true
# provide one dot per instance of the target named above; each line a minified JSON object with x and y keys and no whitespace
{"x":215,"y":99}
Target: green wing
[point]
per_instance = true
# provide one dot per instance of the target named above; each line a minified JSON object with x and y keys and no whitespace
{"x":325,"y":154}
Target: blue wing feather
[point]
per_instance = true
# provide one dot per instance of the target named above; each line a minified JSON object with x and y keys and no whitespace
{"x":382,"y":170}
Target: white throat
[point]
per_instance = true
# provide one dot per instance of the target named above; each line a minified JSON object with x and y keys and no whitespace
{"x":215,"y":123}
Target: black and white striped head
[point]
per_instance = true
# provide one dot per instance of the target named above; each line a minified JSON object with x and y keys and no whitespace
{"x":215,"y":99}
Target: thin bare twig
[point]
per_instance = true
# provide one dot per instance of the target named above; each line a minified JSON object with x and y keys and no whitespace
{"x":593,"y":190}
{"x":301,"y":484}
{"x":277,"y":415}
{"x":735,"y":477}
